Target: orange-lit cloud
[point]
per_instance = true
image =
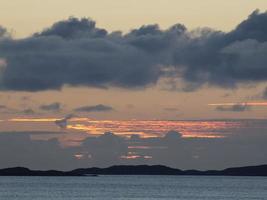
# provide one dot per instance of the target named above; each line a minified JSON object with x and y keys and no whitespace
{"x":143,"y":128}
{"x":132,"y":157}
{"x":156,"y":128}
{"x":44,"y":119}
{"x":33,"y":119}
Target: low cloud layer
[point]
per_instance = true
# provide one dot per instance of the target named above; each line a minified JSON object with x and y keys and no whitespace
{"x":240,"y":149}
{"x":75,"y":52}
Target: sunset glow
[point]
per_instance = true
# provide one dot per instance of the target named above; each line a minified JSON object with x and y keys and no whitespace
{"x":154,"y":128}
{"x":89,"y":83}
{"x":143,"y":128}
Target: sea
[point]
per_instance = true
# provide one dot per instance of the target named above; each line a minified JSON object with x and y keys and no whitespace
{"x":133,"y":188}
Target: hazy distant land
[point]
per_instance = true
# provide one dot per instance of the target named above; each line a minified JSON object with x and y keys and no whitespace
{"x":260,"y":170}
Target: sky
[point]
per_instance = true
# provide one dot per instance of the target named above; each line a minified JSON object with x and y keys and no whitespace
{"x":103,"y":82}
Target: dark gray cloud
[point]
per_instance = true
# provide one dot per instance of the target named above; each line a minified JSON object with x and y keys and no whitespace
{"x":75,"y":52}
{"x":62,"y":123}
{"x":54,"y":107}
{"x":17,"y":149}
{"x":105,"y":149}
{"x":73,"y":29}
{"x":94,"y":108}
{"x":4,"y":33}
{"x":234,"y":108}
{"x":264,"y":94}
{"x":28,"y":111}
{"x":3,"y":107}
{"x":7,"y":109}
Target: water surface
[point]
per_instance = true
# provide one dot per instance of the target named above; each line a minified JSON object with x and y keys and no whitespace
{"x":133,"y":188}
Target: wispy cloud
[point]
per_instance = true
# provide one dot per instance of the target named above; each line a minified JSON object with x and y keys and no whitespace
{"x":241,"y":103}
{"x":234,"y":108}
{"x":94,"y":108}
{"x":54,"y":107}
{"x":237,"y":107}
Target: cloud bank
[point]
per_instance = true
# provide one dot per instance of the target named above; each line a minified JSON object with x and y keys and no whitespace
{"x":75,"y":53}
{"x":240,"y":149}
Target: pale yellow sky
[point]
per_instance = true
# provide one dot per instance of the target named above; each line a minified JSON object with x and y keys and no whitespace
{"x":27,"y":16}
{"x":145,"y":104}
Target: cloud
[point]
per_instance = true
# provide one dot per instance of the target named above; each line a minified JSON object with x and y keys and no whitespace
{"x":74,"y":28}
{"x":17,"y":149}
{"x":3,"y":107}
{"x":4,"y":33}
{"x":105,"y":149}
{"x":75,"y":52}
{"x":95,"y":108}
{"x":7,"y":110}
{"x":54,"y":107}
{"x":173,"y":135}
{"x":264,"y":94}
{"x":171,"y":109}
{"x":234,"y":108}
{"x":240,"y":148}
{"x":28,"y":111}
{"x":62,"y":123}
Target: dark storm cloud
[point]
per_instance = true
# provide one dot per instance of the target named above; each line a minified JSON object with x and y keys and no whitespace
{"x":75,"y":52}
{"x":225,"y":59}
{"x":234,"y":108}
{"x":95,"y":108}
{"x":55,"y":107}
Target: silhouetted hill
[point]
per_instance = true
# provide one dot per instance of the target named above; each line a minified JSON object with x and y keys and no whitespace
{"x":138,"y":170}
{"x":21,"y":171}
{"x":131,"y":170}
{"x":247,"y":171}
